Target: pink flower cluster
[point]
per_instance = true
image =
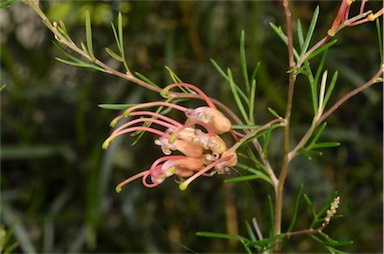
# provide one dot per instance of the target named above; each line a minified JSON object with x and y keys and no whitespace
{"x":200,"y":150}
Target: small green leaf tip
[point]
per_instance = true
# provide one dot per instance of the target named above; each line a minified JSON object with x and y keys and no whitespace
{"x":118,"y":189}
{"x":184,"y":185}
{"x":164,"y":93}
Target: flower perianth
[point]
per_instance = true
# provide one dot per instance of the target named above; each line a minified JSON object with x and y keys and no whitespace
{"x":185,"y":184}
{"x":185,"y":163}
{"x":223,"y":167}
{"x":173,"y":165}
{"x":188,"y":148}
{"x":209,"y":102}
{"x":213,"y":143}
{"x":206,"y":126}
{"x":210,"y":116}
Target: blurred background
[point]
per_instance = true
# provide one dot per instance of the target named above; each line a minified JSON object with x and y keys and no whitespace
{"x":58,"y":185}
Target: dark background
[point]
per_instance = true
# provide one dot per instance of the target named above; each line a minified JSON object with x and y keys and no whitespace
{"x":58,"y":184}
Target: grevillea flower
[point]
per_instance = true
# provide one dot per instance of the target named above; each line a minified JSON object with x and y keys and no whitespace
{"x":201,"y":150}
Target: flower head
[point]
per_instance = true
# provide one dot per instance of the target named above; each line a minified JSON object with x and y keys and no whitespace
{"x":201,"y":151}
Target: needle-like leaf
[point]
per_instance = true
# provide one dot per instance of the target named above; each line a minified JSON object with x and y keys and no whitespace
{"x":88,"y":32}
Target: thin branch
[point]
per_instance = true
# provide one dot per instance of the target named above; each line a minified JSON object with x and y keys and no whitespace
{"x":377,"y":78}
{"x":284,"y":168}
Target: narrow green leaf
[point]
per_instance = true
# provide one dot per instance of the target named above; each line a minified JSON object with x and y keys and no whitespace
{"x":267,"y":138}
{"x":309,"y":153}
{"x":300,"y":34}
{"x":295,"y":208}
{"x":251,"y":155}
{"x":142,"y":77}
{"x":321,"y":49}
{"x":250,"y":231}
{"x":267,"y":241}
{"x":219,"y":70}
{"x":252,"y":95}
{"x":232,"y":85}
{"x":283,"y":37}
{"x":311,"y":207}
{"x":173,"y":75}
{"x":331,"y":242}
{"x":222,"y":73}
{"x":81,"y":64}
{"x":84,"y":48}
{"x":247,"y":168}
{"x":88,"y":32}
{"x":315,"y":82}
{"x":260,"y":133}
{"x":245,"y":245}
{"x":245,"y":127}
{"x":254,"y":71}
{"x":243,"y":60}
{"x":116,"y":106}
{"x":116,"y":36}
{"x":77,"y":64}
{"x":273,"y":112}
{"x":259,"y":175}
{"x":222,"y":235}
{"x":380,"y":39}
{"x":330,"y":89}
{"x":120,"y":29}
{"x":75,"y":59}
{"x":318,"y":133}
{"x":325,"y":145}
{"x":176,"y":79}
{"x":114,"y":55}
{"x":311,"y":29}
{"x":322,"y":90}
{"x":63,"y":30}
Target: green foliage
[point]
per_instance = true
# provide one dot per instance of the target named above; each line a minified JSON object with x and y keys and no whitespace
{"x":7,"y":245}
{"x":60,"y":183}
{"x":6,"y":3}
{"x":118,"y":34}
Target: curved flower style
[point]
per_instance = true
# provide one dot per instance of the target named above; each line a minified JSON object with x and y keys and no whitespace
{"x":202,"y":150}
